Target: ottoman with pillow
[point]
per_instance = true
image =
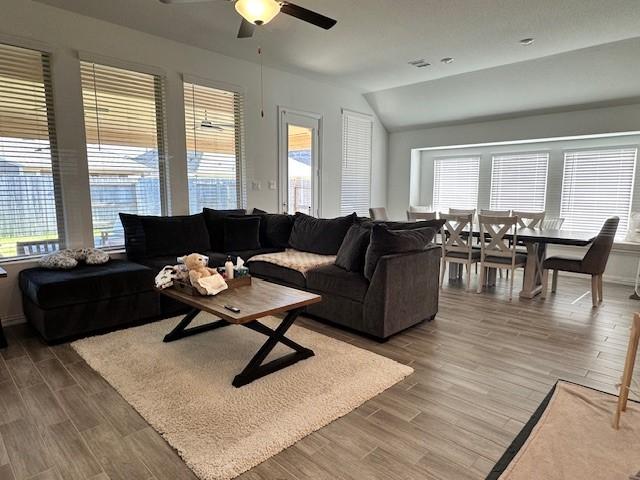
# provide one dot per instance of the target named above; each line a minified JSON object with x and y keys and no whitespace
{"x":63,"y":304}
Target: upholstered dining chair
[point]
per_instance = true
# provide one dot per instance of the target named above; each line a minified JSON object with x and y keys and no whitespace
{"x":593,"y":263}
{"x":529,"y":219}
{"x":378,"y":213}
{"x":413,"y":216}
{"x":496,"y":251}
{"x":456,"y":247}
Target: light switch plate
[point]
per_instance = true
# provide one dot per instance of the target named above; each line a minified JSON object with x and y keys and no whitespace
{"x":256,"y":185}
{"x":272,"y":185}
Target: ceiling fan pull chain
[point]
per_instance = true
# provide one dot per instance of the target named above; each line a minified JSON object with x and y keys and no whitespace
{"x":261,"y":84}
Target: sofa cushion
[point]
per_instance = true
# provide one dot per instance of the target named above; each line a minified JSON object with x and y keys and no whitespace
{"x":178,"y":235}
{"x":436,"y":223}
{"x":334,"y":280}
{"x":277,"y":274}
{"x":353,"y":250}
{"x":319,"y":235}
{"x":86,"y":283}
{"x":564,"y":263}
{"x":385,"y":242}
{"x":214,"y":220}
{"x":241,"y":233}
{"x":275,"y":229}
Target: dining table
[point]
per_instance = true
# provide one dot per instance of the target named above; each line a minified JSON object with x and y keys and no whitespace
{"x":536,"y":240}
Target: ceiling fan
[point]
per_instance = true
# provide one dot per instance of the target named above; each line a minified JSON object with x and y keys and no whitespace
{"x":261,"y":12}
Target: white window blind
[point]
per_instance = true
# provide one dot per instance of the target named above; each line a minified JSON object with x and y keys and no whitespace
{"x":357,"y":132}
{"x":455,"y":183}
{"x":125,"y":132}
{"x":214,"y":125}
{"x":519,"y":181}
{"x":597,"y":184}
{"x":30,"y":207}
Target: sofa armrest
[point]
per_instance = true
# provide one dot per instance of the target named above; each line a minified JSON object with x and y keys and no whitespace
{"x":404,"y":291}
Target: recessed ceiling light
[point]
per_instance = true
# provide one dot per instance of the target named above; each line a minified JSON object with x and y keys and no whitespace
{"x":447,"y":60}
{"x":422,"y":65}
{"x":527,"y":41}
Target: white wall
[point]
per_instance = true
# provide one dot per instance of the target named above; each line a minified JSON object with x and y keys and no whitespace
{"x":35,"y":25}
{"x":622,"y":265}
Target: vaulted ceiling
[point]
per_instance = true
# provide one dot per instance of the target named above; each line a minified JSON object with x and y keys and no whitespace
{"x":370,"y":47}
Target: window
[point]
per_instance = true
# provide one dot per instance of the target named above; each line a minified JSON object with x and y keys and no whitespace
{"x":214,"y":124}
{"x":597,"y":184}
{"x":125,"y":132}
{"x":519,"y":182}
{"x":455,"y":183}
{"x":357,"y":132}
{"x":30,"y":207}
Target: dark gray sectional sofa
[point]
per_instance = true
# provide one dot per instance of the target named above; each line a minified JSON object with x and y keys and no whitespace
{"x":385,"y":278}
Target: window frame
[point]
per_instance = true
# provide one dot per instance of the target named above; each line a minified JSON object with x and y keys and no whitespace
{"x":162,"y":140}
{"x":239,"y":128}
{"x":477,"y":156}
{"x":369,"y":118}
{"x":620,"y":235}
{"x":494,"y":154}
{"x":46,"y":63}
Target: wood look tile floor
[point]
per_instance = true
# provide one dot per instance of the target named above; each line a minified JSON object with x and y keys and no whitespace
{"x":481,"y":369}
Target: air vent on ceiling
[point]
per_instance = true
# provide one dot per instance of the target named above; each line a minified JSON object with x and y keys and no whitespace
{"x":419,"y":63}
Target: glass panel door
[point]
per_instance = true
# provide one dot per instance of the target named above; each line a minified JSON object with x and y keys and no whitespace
{"x":299,"y":162}
{"x":299,"y":172}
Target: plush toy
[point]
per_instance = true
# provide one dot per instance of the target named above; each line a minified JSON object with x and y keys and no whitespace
{"x":206,"y":280}
{"x":170,"y":274}
{"x":69,"y":258}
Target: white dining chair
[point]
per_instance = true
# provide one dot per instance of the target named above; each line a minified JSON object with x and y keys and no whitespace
{"x":456,"y":247}
{"x":496,"y":251}
{"x":529,"y":219}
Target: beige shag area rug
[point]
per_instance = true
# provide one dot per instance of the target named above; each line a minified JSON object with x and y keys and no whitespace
{"x":183,"y":389}
{"x":572,"y":438}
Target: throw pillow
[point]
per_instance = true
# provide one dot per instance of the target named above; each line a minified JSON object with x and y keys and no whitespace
{"x":385,"y":242}
{"x":214,"y":219}
{"x":179,"y":235}
{"x":275,"y":229}
{"x":353,"y":250}
{"x":134,"y":239}
{"x":241,"y":233}
{"x":319,"y":235}
{"x":68,"y":258}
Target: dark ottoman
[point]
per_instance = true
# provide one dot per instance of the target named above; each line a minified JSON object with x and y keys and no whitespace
{"x":65,"y":304}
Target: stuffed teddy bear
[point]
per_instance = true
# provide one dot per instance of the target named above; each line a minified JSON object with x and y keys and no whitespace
{"x":68,"y":258}
{"x":206,"y":280}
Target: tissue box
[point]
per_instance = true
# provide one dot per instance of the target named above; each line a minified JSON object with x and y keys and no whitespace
{"x":240,"y":272}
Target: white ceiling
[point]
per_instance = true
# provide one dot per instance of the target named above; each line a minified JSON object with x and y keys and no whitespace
{"x":374,"y":39}
{"x":590,"y":77}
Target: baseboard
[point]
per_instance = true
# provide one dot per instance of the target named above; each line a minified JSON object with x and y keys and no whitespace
{"x":15,"y":319}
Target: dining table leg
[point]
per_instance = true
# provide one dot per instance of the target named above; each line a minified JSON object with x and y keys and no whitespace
{"x":532,"y":283}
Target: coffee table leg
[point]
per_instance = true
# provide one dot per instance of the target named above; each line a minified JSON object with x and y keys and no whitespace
{"x":181,"y":330}
{"x":255,"y":369}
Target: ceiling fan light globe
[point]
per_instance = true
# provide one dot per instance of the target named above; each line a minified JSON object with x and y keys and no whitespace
{"x":258,"y":12}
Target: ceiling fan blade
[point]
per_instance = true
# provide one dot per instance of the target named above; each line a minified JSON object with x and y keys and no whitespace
{"x":246,"y":29}
{"x":308,"y":15}
{"x":170,"y":2}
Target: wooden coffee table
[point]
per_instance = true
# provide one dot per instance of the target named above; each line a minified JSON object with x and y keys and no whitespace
{"x":255,"y":301}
